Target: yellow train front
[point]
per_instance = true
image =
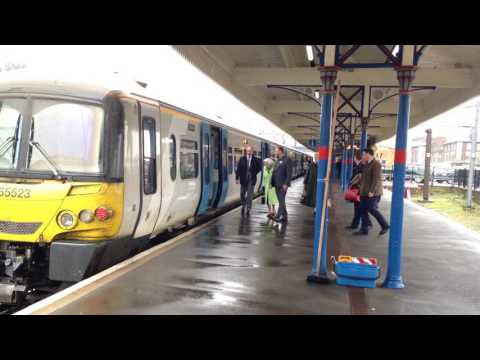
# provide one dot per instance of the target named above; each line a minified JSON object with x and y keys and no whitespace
{"x":61,"y":185}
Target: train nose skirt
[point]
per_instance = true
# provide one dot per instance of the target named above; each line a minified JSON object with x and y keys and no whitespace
{"x":20,"y":228}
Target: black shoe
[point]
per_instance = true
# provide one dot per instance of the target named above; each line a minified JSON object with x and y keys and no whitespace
{"x":248,"y":212}
{"x":384,"y":230}
{"x":361,"y":232}
{"x":350,"y":227}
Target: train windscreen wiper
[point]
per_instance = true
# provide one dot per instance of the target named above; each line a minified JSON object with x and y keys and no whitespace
{"x":55,"y":169}
{"x":7,"y":144}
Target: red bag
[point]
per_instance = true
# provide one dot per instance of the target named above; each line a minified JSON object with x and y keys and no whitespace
{"x":353,"y":195}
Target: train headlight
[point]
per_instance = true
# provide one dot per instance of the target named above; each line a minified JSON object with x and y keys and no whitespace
{"x":67,"y":219}
{"x":86,"y":216}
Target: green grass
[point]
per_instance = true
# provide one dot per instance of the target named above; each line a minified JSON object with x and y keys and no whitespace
{"x":451,"y":203}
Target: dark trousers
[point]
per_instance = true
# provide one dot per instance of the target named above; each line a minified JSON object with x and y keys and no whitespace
{"x":370,"y":206}
{"x":282,"y":208}
{"x":246,"y":195}
{"x":357,"y":215}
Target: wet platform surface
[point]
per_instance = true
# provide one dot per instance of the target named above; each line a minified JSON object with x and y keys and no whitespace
{"x":254,"y":266}
{"x":235,"y":266}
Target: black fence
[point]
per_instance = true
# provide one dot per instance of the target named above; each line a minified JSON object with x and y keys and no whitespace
{"x":460,"y":178}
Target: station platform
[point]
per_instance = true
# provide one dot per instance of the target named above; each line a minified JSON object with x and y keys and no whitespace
{"x":235,"y":265}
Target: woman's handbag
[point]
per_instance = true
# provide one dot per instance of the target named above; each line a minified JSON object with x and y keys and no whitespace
{"x":263,"y":197}
{"x":353,"y":195}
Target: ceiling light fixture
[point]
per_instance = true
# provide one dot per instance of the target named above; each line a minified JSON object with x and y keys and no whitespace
{"x":395,"y":50}
{"x":309,"y":52}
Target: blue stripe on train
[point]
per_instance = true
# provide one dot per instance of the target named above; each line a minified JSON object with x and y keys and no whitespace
{"x":224,"y":142}
{"x":205,"y":168}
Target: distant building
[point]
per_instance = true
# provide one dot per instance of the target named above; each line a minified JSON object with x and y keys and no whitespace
{"x":457,"y":153}
{"x":385,"y":155}
{"x":418,"y":150}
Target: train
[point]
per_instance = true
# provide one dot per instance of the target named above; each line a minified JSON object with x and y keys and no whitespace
{"x":91,"y":172}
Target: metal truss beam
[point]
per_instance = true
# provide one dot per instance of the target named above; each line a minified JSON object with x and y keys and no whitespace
{"x":451,"y":78}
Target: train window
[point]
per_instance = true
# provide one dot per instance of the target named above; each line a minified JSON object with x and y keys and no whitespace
{"x":10,"y":125}
{"x":70,"y":133}
{"x":188,"y":159}
{"x":230,"y":160}
{"x":149,"y":156}
{"x":173,"y":158}
{"x":188,"y":165}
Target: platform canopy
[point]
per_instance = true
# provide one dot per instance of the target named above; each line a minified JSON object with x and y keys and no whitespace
{"x":258,"y":75}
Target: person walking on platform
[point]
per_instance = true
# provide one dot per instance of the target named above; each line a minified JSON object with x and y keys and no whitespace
{"x":281,"y":177}
{"x":355,"y":184}
{"x":248,"y":168}
{"x":270,"y":193}
{"x":371,"y":190}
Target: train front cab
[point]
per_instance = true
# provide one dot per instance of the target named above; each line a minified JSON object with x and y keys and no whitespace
{"x":58,"y":191}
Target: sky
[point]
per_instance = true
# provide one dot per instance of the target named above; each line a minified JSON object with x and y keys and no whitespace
{"x":170,"y":78}
{"x":449,"y":124}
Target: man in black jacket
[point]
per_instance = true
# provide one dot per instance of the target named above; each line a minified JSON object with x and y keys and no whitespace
{"x":248,"y":168}
{"x":282,"y":175}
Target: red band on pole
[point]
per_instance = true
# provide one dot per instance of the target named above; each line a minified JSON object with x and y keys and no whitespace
{"x":323,"y":153}
{"x":400,"y":156}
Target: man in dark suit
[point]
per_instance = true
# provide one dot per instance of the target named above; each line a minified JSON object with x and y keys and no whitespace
{"x":282,"y":175}
{"x":371,"y":190}
{"x":248,"y":168}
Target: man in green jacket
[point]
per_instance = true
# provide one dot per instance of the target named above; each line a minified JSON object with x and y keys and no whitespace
{"x":371,"y":190}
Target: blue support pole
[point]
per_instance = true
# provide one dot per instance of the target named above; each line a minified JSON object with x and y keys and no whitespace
{"x":363,"y":139}
{"x":319,"y":266}
{"x":350,"y":166}
{"x":394,"y":278}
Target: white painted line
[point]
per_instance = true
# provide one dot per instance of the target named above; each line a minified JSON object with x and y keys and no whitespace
{"x":74,"y":292}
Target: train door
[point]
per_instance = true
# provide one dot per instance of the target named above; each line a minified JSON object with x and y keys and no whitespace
{"x":224,"y":167}
{"x":205,"y":166}
{"x":149,"y":166}
{"x":216,"y":166}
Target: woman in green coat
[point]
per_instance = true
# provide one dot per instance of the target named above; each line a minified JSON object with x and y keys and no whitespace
{"x":270,"y":194}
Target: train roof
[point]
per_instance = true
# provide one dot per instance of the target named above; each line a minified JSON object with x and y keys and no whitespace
{"x":88,"y":86}
{"x":93,"y":87}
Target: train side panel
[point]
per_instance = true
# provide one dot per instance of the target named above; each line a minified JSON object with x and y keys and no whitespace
{"x":180,"y":158}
